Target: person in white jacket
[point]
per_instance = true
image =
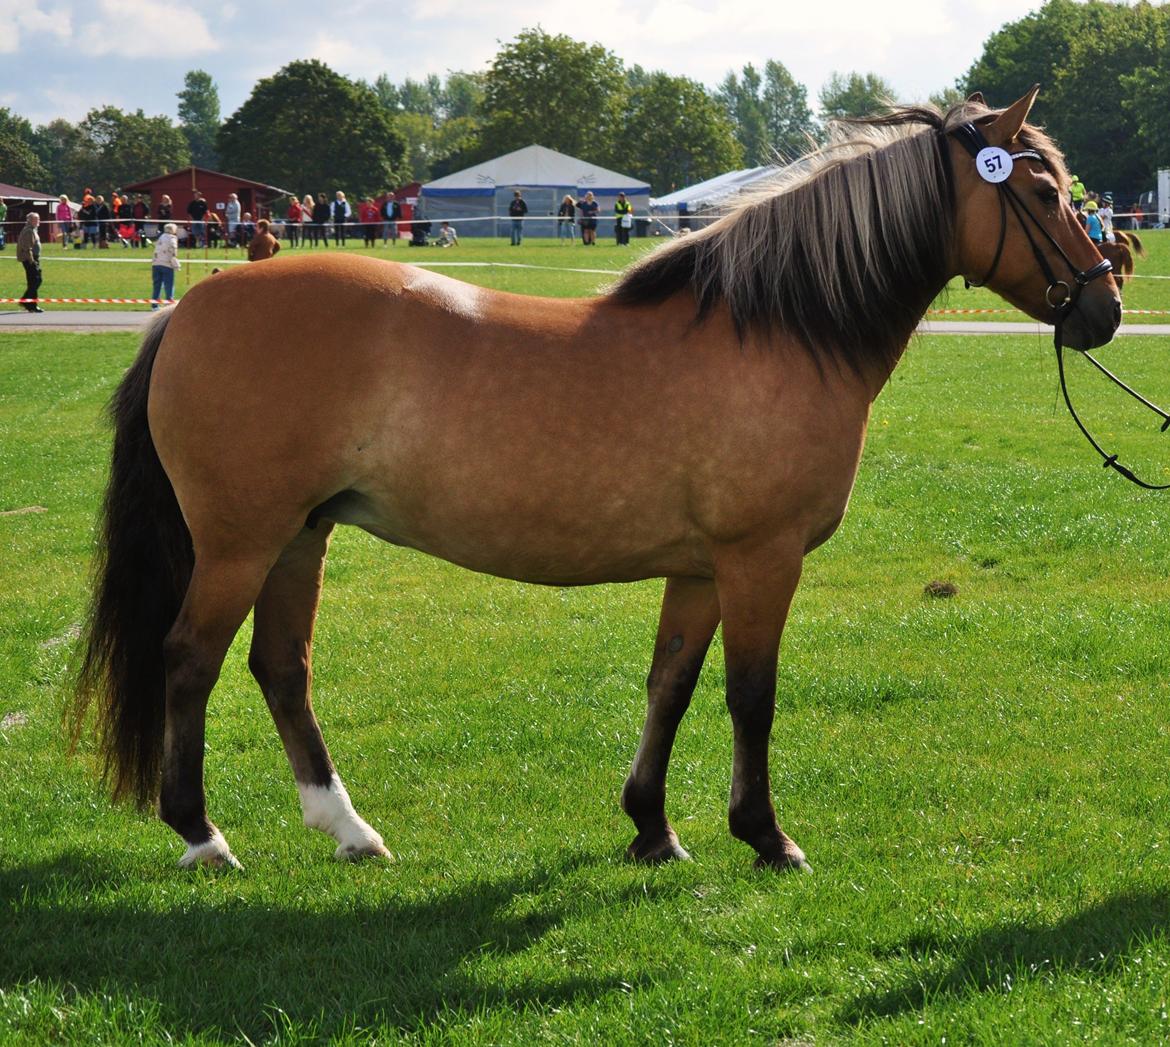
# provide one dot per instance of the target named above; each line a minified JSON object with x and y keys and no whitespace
{"x":163,"y":265}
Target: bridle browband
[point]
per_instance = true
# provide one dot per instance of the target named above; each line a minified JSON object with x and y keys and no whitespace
{"x":1061,"y":296}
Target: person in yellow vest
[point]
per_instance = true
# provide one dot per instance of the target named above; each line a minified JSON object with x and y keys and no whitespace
{"x":1076,"y":191}
{"x":623,"y":220}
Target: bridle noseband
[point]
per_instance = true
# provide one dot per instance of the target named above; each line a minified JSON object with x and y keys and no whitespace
{"x":1061,"y":295}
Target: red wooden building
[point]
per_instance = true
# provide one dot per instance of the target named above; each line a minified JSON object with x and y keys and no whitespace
{"x":215,"y":186}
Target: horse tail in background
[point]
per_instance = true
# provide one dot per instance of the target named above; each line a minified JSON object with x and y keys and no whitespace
{"x":141,"y":572}
{"x":1132,"y":241}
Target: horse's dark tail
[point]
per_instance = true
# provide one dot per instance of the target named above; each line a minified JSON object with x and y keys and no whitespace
{"x":1135,"y":243}
{"x":141,"y":572}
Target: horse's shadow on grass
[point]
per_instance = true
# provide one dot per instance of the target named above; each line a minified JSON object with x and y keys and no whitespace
{"x":226,"y":967}
{"x":1095,"y":940}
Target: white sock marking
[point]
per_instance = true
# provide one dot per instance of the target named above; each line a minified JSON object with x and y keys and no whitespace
{"x":328,"y":808}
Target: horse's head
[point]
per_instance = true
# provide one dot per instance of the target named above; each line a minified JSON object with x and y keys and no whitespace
{"x":1016,"y":230}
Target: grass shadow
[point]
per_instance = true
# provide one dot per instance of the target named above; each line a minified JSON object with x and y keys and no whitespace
{"x":1097,"y":940}
{"x":225,"y":966}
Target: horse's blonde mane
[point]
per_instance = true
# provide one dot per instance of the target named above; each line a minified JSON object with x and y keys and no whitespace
{"x":844,"y":249}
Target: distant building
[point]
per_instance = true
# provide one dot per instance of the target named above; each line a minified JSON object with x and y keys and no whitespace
{"x":215,"y":186}
{"x":22,"y":202}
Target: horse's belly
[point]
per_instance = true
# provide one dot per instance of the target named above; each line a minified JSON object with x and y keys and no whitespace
{"x":554,"y":545}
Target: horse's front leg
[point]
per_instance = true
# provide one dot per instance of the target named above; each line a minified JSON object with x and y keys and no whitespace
{"x":690,"y":613}
{"x":755,"y":590}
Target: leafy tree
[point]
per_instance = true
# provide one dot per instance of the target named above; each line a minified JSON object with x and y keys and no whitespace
{"x":308,"y":128}
{"x":948,"y":97}
{"x":199,"y":117}
{"x":854,"y":95}
{"x":19,"y":162}
{"x":1029,"y":51}
{"x":113,"y":147}
{"x":61,"y":148}
{"x":1097,"y":130}
{"x":741,"y":98}
{"x":673,"y":134}
{"x":435,"y":119}
{"x":552,"y":91}
{"x":786,"y":112}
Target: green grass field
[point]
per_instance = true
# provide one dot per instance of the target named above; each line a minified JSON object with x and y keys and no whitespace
{"x":980,"y":782}
{"x":123,"y":273}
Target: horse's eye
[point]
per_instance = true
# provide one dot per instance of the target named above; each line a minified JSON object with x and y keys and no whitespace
{"x":1051,"y":197}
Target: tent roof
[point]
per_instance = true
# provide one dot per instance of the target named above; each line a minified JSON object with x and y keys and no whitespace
{"x":535,"y":166}
{"x":715,"y":190}
{"x":146,"y":183}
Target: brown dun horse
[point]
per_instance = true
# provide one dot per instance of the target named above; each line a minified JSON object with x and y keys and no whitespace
{"x":1126,"y":246}
{"x":701,"y":422}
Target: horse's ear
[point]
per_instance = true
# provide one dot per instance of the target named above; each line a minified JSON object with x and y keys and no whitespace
{"x":977,"y":98}
{"x":1007,"y":125}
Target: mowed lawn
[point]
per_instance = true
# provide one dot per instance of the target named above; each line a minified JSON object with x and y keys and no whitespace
{"x":539,"y":266}
{"x":980,"y":782}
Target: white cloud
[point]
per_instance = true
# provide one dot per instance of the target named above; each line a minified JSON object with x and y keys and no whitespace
{"x":166,"y":29}
{"x":26,"y":21}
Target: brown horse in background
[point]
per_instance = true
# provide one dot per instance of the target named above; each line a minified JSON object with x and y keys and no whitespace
{"x":1121,"y":253}
{"x":702,"y":422}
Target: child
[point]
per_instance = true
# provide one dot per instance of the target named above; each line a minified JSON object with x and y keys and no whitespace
{"x":447,"y":237}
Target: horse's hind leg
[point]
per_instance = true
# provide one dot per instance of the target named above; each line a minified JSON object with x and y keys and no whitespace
{"x":217,"y":601}
{"x":690,"y":614}
{"x":281,"y":661}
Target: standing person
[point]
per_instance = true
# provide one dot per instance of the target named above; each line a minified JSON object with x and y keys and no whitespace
{"x":28,"y":253}
{"x":623,"y":220}
{"x":163,"y":265}
{"x":197,"y":211}
{"x":1093,"y":222}
{"x":306,"y":219}
{"x":566,"y":219}
{"x":1105,"y":213}
{"x":588,"y":208}
{"x":392,"y":213}
{"x":342,"y":213}
{"x":263,"y":245}
{"x":292,"y":221}
{"x":231,"y":214}
{"x":64,"y":214}
{"x":164,"y":213}
{"x":87,"y":216}
{"x":368,"y":216}
{"x":103,"y":220}
{"x":124,"y":212}
{"x":3,"y":219}
{"x":141,"y":214}
{"x":321,"y":213}
{"x":517,"y":209}
{"x":1076,"y":192}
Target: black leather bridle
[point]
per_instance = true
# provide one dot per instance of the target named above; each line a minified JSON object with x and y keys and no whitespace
{"x":1061,"y":295}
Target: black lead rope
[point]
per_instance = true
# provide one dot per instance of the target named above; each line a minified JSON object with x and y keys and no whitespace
{"x":973,"y":141}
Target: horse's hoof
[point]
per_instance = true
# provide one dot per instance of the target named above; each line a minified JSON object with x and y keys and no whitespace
{"x":654,"y":850}
{"x":212,"y":854}
{"x":356,"y":852}
{"x":786,"y":863}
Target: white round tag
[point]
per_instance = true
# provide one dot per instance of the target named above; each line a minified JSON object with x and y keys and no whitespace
{"x":994,"y":164}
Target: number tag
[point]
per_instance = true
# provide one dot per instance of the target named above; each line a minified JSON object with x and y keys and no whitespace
{"x":994,"y":164}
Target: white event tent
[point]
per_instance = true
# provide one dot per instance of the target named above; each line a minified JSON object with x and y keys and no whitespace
{"x":714,"y":195}
{"x":543,"y":176}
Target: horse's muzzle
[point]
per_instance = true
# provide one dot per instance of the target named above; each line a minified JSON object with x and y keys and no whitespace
{"x":1093,"y":321}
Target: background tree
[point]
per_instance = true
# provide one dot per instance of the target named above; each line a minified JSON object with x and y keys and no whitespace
{"x":19,"y":161}
{"x":199,"y":117}
{"x":673,"y":133}
{"x":789,"y":120}
{"x":309,"y":129}
{"x":436,"y":120}
{"x":61,"y":148}
{"x":854,"y":95}
{"x":553,"y":91}
{"x":740,"y":96}
{"x":1028,"y":51}
{"x":113,"y":148}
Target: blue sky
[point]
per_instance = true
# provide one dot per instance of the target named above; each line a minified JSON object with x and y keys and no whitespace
{"x":62,"y":57}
